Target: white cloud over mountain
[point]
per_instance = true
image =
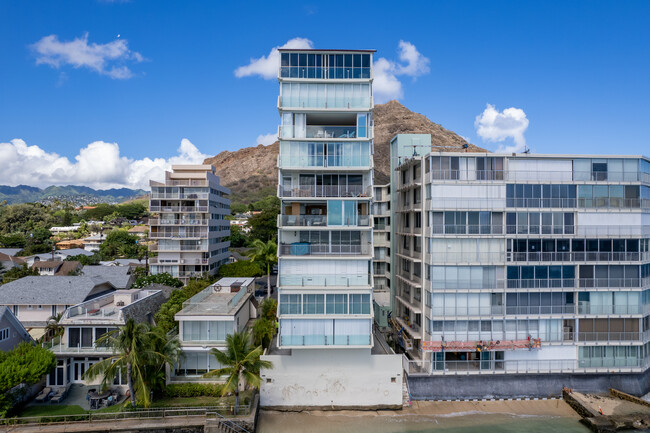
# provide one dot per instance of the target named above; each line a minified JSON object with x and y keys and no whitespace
{"x":267,"y":139}
{"x":106,"y":59}
{"x":497,"y":126}
{"x":98,"y":165}
{"x":386,"y":85}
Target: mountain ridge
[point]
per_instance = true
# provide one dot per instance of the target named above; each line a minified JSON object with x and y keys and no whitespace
{"x":79,"y":194}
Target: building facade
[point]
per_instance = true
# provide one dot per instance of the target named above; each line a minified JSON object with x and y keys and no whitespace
{"x":523,"y":263}
{"x":325,"y":238}
{"x":190,"y":227}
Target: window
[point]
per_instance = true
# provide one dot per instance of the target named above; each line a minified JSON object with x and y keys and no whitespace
{"x":359,"y":304}
{"x":531,"y":195}
{"x":290,"y":304}
{"x":313,"y":304}
{"x":200,"y":330}
{"x":445,"y":167}
{"x":337,"y":304}
{"x":4,"y":334}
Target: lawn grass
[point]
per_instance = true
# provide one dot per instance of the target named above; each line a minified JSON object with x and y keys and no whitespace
{"x":201,"y":401}
{"x":45,"y":410}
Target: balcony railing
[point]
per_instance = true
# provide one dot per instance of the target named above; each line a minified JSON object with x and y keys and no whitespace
{"x":610,"y":337}
{"x":193,"y":209}
{"x":303,"y":249}
{"x":159,"y":261}
{"x":468,"y":311}
{"x":467,"y":229}
{"x":320,"y":220}
{"x":325,"y":340}
{"x":540,"y":309}
{"x":349,"y":102}
{"x":614,"y":282}
{"x":468,"y":257}
{"x":84,"y":312}
{"x":324,"y":280}
{"x":577,"y":257}
{"x":326,"y":191}
{"x":540,"y":176}
{"x":178,"y":222}
{"x":178,"y":248}
{"x":554,"y":283}
{"x":588,"y":308}
{"x":177,"y":196}
{"x":324,"y":161}
{"x":178,"y":234}
{"x":324,"y":73}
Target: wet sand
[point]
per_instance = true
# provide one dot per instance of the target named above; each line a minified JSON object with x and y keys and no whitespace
{"x":544,"y":416}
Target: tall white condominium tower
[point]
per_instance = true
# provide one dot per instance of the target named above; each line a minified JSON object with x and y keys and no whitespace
{"x":533,"y":264}
{"x":325,"y":227}
{"x":190,"y":227}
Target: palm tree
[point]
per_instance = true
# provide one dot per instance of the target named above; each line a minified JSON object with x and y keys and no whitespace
{"x":133,"y":350}
{"x":265,"y":253}
{"x":53,"y":328}
{"x":240,"y":361}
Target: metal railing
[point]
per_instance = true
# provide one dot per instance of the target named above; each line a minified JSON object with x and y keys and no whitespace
{"x":322,"y":72}
{"x":135,"y":414}
{"x":540,"y":309}
{"x":324,"y":161}
{"x":160,"y":234}
{"x":180,"y":195}
{"x":555,"y":283}
{"x":467,"y":257}
{"x":193,"y":209}
{"x":178,"y":248}
{"x":321,"y":220}
{"x":540,"y":176}
{"x":610,"y":337}
{"x":484,"y":229}
{"x":614,"y":282}
{"x":301,"y":249}
{"x":321,"y":101}
{"x":159,"y":261}
{"x":178,"y":222}
{"x":577,"y":256}
{"x":586,"y":308}
{"x":326,"y":191}
{"x":324,"y":280}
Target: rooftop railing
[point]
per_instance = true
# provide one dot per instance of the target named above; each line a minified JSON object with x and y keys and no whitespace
{"x":304,"y":249}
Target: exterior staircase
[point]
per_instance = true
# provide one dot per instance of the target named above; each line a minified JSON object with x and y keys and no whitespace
{"x":406,"y":394}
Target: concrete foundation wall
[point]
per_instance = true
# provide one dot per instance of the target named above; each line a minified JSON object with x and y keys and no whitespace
{"x":332,"y":378}
{"x":523,"y":385}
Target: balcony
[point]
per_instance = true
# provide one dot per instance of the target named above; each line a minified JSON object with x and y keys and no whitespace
{"x":322,"y":102}
{"x":324,"y":161}
{"x":305,"y":249}
{"x":325,"y":73}
{"x":541,"y":284}
{"x":467,"y":257}
{"x":178,"y":222}
{"x":325,"y":340}
{"x":585,"y":307}
{"x":540,"y":309}
{"x":577,"y":257}
{"x":183,"y":234}
{"x":178,"y":248}
{"x":492,"y":310}
{"x":614,"y":282}
{"x":324,"y":280}
{"x":191,"y":209}
{"x":320,"y":221}
{"x":333,"y":191}
{"x":448,"y":229}
{"x":180,"y":196}
{"x":610,"y":337}
{"x":159,"y":261}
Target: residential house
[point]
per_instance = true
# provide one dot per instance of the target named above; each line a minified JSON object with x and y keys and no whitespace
{"x":69,"y":244}
{"x":35,"y":299}
{"x":57,"y":267}
{"x":139,"y":231}
{"x":12,"y":332}
{"x":206,"y":319}
{"x":92,"y":242}
{"x":85,"y":322}
{"x":119,"y":276}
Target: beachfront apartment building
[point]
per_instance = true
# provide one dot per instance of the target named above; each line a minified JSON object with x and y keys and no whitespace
{"x":521,"y":263}
{"x":190,"y":227}
{"x":325,"y":185}
{"x":85,"y":323}
{"x":205,"y":321}
{"x":325,"y":238}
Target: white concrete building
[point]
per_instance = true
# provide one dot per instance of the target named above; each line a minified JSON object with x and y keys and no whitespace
{"x":522,"y":263}
{"x":206,"y":319}
{"x":191,"y":205}
{"x":323,"y":355}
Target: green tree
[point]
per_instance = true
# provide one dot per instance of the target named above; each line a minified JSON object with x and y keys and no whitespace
{"x":132,"y":211}
{"x":135,"y":351}
{"x":119,"y":242}
{"x":237,"y":237}
{"x":242,"y":268}
{"x":169,"y":349}
{"x":265,"y":326}
{"x":241,"y":361}
{"x":84,"y":260}
{"x":26,"y":364}
{"x":18,"y":272}
{"x":99,"y":212}
{"x":164,"y":279}
{"x":13,"y":240}
{"x":165,"y":315}
{"x":53,"y":328}
{"x":265,"y":253}
{"x":236,"y":208}
{"x":24,"y":217}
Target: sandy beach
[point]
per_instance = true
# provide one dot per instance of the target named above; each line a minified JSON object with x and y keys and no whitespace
{"x":424,"y":416}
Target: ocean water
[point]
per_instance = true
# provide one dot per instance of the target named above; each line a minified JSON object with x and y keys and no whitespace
{"x":459,"y":422}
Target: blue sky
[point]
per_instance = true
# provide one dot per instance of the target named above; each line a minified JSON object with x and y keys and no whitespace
{"x":574,"y":74}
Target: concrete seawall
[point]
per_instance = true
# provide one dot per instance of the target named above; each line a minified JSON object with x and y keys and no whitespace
{"x":523,"y":385}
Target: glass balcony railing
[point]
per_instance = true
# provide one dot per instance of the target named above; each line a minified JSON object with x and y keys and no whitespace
{"x":325,"y":340}
{"x":610,"y":337}
{"x":305,"y":249}
{"x":325,"y":73}
{"x":178,"y":222}
{"x":614,"y":282}
{"x":540,"y":309}
{"x":326,"y":191}
{"x":324,"y":280}
{"x":324,"y":161}
{"x":321,"y":220}
{"x":541,"y":284}
{"x":193,"y":209}
{"x":202,"y":195}
{"x":589,"y":308}
{"x":314,"y":131}
{"x":361,"y":102}
{"x":577,"y":257}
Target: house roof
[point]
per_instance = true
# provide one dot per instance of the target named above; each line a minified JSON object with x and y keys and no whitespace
{"x":9,"y":258}
{"x":138,"y":229}
{"x":67,"y":267}
{"x":74,"y":252}
{"x":54,"y":264}
{"x":9,"y":315}
{"x":10,"y":251}
{"x":118,"y":276}
{"x":51,"y":290}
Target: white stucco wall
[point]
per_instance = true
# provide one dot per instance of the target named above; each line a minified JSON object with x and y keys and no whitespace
{"x":332,"y":377}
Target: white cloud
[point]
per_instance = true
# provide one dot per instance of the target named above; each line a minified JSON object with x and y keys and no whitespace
{"x":495,"y":126}
{"x":98,"y":165}
{"x":386,"y":85}
{"x":106,"y":59}
{"x":267,"y":139}
{"x":267,"y":66}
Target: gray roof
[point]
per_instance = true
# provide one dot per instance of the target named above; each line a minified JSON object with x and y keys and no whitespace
{"x":117,"y":275}
{"x":10,"y":251}
{"x":51,"y":290}
{"x":122,"y":262}
{"x":6,"y":311}
{"x":74,"y":252}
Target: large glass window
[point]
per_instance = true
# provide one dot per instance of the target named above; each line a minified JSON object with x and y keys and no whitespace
{"x":203,"y":330}
{"x":337,"y":304}
{"x":359,"y":304}
{"x":290,"y":304}
{"x":313,"y":304}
